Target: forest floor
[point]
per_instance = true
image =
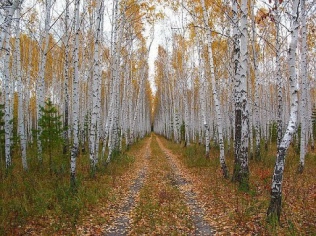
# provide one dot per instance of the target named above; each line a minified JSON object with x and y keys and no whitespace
{"x":170,"y":190}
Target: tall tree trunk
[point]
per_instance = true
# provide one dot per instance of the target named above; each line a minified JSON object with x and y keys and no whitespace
{"x":41,"y":75}
{"x":21,"y":104}
{"x":214,"y":91}
{"x":5,"y":43}
{"x":303,"y":104}
{"x":93,"y":138}
{"x":256,"y":100}
{"x":66,"y":79}
{"x":275,"y":206}
{"x":241,"y":170}
{"x":7,"y":103}
{"x":202,"y":96}
{"x":278,"y":74}
{"x":75,"y":98}
{"x":113,"y":142}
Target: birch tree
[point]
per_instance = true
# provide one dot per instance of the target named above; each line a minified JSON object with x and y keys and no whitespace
{"x":10,"y":8}
{"x":303,"y":104}
{"x":241,"y":170}
{"x":93,"y":139}
{"x":141,"y":93}
{"x":278,"y":74}
{"x":256,"y":100}
{"x":214,"y":91}
{"x":66,"y":79}
{"x":21,"y":104}
{"x":44,"y":42}
{"x":275,"y":206}
{"x":203,"y":88}
{"x":75,"y":97}
{"x":113,"y":143}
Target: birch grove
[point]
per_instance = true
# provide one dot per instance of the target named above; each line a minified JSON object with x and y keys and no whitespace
{"x":234,"y":80}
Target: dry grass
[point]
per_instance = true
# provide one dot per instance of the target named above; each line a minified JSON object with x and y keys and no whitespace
{"x":36,"y":202}
{"x":233,"y":210}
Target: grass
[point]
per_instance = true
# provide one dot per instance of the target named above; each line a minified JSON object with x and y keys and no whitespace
{"x":38,"y":201}
{"x":42,"y":203}
{"x":231,"y":209}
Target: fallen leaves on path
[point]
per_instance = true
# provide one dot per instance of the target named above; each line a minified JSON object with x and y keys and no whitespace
{"x":113,"y":215}
{"x":161,"y":209}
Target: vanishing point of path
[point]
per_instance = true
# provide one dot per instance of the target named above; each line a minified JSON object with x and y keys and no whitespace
{"x":160,"y":199}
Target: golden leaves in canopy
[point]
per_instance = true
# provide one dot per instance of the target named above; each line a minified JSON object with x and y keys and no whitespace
{"x":160,"y":65}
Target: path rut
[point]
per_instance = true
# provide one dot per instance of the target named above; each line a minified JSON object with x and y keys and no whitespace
{"x":122,"y":223}
{"x":202,"y":227}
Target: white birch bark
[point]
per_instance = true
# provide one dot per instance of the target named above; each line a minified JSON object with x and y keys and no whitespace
{"x":140,"y":94}
{"x":303,"y":105}
{"x":214,"y":91}
{"x":5,"y":37}
{"x":277,"y":179}
{"x":21,"y":103}
{"x":278,"y":74}
{"x":41,"y":73}
{"x":113,"y":142}
{"x":7,"y":103}
{"x":202,"y":96}
{"x":310,"y":119}
{"x":93,"y":138}
{"x":241,"y":171}
{"x":187,"y":124}
{"x":193,"y":117}
{"x":66,"y":79}
{"x":75,"y":98}
{"x":9,"y":8}
{"x":256,"y":100}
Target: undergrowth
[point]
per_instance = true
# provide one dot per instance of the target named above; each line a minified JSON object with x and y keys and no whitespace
{"x":39,"y":199}
{"x":243,"y":211}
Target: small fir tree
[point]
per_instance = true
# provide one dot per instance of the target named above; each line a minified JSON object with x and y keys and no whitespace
{"x":51,"y":126}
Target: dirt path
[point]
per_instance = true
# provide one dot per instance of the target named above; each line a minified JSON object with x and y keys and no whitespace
{"x":182,"y":181}
{"x":122,"y":222}
{"x":113,"y":218}
{"x":159,"y":199}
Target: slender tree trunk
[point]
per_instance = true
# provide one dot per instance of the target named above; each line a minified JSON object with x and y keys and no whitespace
{"x":7,"y":109}
{"x":310,"y":119}
{"x":303,"y":104}
{"x":93,"y":138}
{"x":275,"y":206}
{"x":21,"y":103}
{"x":256,"y":101}
{"x":278,"y":75}
{"x":241,"y":170}
{"x":113,"y":142}
{"x":202,"y":95}
{"x":66,"y":79}
{"x":215,"y":96}
{"x":5,"y":37}
{"x":75,"y":98}
{"x":41,"y":75}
